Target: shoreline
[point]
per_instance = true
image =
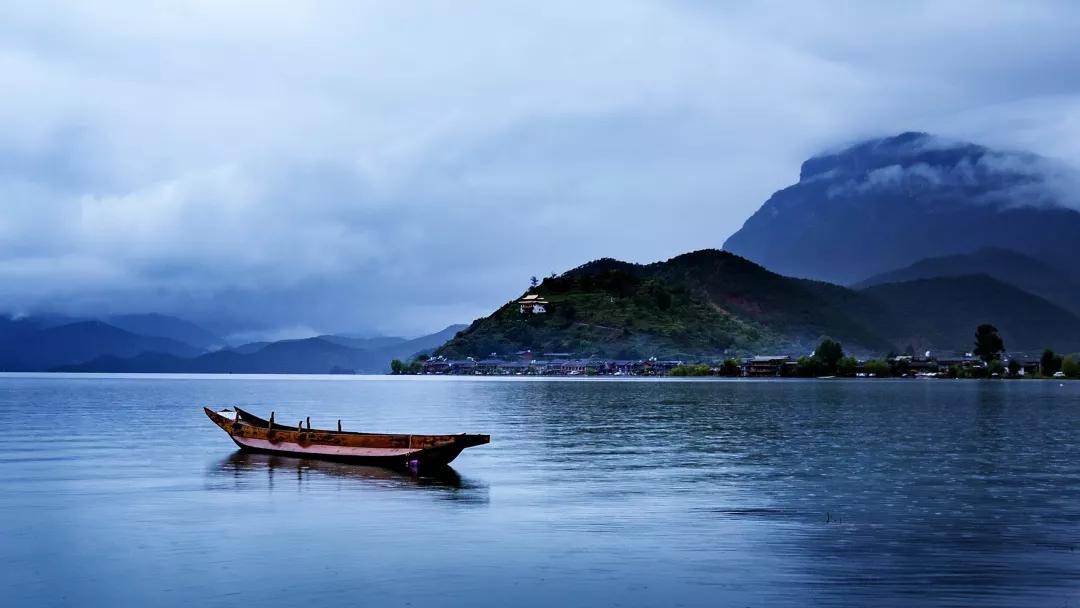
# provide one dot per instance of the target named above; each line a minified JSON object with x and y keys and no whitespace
{"x":512,"y":377}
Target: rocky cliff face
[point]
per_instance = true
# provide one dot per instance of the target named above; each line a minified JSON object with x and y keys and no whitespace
{"x":886,"y":203}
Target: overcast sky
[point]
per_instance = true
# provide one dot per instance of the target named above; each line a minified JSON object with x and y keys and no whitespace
{"x":289,"y":168}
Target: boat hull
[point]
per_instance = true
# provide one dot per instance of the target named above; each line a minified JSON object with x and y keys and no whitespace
{"x":386,"y":458}
{"x":254,"y":434}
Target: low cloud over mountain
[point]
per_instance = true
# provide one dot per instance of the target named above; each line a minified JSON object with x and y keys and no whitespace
{"x":396,"y":167}
{"x":886,"y":203}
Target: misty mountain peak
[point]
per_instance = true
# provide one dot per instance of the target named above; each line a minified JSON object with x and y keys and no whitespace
{"x":882,"y":204}
{"x":904,"y":150}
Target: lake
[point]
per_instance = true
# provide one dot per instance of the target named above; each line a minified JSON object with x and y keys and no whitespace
{"x":117,"y":491}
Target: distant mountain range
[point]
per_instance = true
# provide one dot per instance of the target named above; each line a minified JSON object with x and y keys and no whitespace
{"x":1009,"y":267}
{"x":165,"y":326}
{"x":710,"y":302}
{"x":939,"y":313}
{"x":886,"y":203}
{"x":320,"y":355}
{"x":32,"y":344}
{"x":55,"y":343}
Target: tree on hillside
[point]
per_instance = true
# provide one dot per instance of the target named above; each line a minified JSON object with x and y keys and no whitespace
{"x":847,"y":366}
{"x":829,"y":353}
{"x":1014,"y":367}
{"x":533,"y":281}
{"x":808,"y":367}
{"x":988,"y":344}
{"x":1071,"y":367}
{"x":878,"y":368}
{"x":1049,"y":363}
{"x":567,"y":310}
{"x":731,"y":367}
{"x":695,"y":369}
{"x":397,"y":367}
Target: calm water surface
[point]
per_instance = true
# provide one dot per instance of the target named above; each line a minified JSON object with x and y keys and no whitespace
{"x":117,"y":491}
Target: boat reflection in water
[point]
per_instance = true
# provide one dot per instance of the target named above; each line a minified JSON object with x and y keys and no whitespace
{"x":249,"y":469}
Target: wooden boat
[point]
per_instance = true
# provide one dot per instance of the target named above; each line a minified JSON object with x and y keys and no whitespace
{"x":255,"y":434}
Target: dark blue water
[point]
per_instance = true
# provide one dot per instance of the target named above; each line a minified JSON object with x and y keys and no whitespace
{"x":119,"y":492}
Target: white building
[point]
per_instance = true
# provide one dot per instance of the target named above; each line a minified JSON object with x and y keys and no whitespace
{"x":532,"y":303}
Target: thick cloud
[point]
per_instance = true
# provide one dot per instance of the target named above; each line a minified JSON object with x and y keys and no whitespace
{"x":401,"y":166}
{"x":1003,"y":178}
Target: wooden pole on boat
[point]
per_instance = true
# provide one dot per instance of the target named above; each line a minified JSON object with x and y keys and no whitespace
{"x":299,"y":425}
{"x":270,"y":425}
{"x":309,"y":423}
{"x":339,"y":425}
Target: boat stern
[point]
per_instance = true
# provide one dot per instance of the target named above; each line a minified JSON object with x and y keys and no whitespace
{"x":447,"y":452}
{"x":469,"y":441}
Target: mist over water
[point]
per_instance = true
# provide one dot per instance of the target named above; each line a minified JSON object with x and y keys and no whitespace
{"x":118,"y":491}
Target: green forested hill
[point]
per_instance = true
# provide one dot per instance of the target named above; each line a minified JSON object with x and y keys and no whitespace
{"x":714,"y":303}
{"x":702,"y":303}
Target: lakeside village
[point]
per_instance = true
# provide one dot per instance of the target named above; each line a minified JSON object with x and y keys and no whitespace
{"x":988,"y":359}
